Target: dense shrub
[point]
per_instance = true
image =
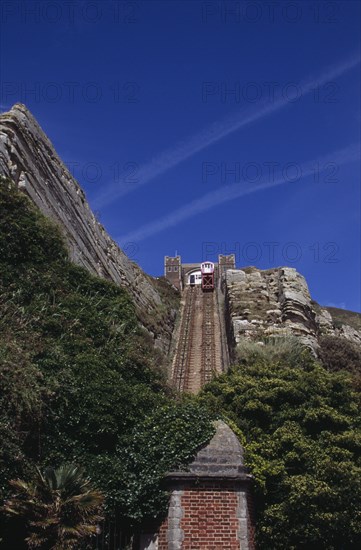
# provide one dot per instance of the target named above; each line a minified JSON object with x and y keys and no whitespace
{"x":287,"y":349}
{"x":301,"y":430}
{"x":340,"y":354}
{"x":58,"y":509}
{"x":79,"y":380}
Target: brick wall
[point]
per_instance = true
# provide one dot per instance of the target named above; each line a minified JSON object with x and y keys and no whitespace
{"x":162,"y":536}
{"x":210,"y":519}
{"x":208,"y":516}
{"x":210,"y":505}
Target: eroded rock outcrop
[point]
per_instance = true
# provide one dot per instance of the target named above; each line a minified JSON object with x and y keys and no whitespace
{"x":30,"y":160}
{"x":277,"y":302}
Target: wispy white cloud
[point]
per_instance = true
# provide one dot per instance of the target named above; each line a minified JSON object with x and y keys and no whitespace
{"x":215,"y":132}
{"x":230,"y":192}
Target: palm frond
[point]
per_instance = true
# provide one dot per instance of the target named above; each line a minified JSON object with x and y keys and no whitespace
{"x":60,"y":507}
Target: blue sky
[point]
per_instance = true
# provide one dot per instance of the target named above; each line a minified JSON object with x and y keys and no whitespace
{"x":204,"y":126}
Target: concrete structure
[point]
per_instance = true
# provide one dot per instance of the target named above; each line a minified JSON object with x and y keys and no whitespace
{"x":178,"y":273}
{"x":226,"y":262}
{"x":173,"y":270}
{"x":210,"y":505}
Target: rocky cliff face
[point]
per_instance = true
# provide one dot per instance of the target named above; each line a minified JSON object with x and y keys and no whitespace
{"x":259,"y":303}
{"x":29,"y":159}
{"x":277,"y":302}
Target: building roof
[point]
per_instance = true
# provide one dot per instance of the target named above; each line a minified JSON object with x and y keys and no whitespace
{"x":221,"y":458}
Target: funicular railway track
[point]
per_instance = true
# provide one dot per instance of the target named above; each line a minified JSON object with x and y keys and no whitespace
{"x":183,"y":352}
{"x":198,"y":354}
{"x":208,"y":364}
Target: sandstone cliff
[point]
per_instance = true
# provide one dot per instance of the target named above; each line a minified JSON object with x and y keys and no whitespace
{"x":29,"y":159}
{"x":277,"y":302}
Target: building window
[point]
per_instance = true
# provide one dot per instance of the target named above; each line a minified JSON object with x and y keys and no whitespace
{"x":169,"y":268}
{"x":175,"y":268}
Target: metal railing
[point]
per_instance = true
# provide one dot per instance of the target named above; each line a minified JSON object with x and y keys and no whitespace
{"x":110,"y":536}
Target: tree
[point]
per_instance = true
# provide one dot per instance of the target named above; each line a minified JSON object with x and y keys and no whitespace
{"x":80,"y":380}
{"x":59,"y":507}
{"x":301,"y":432}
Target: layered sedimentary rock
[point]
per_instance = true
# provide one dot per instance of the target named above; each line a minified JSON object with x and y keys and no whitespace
{"x":30,"y":160}
{"x":277,"y":302}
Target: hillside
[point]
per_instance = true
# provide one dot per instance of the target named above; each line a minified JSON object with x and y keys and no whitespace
{"x":271,"y":301}
{"x":28,"y":157}
{"x":345,"y":317}
{"x":84,"y":371}
{"x":79,"y":379}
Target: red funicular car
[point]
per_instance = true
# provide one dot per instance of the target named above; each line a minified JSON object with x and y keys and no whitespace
{"x":207,"y":270}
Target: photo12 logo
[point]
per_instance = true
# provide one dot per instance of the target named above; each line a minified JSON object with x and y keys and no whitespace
{"x":272,"y":252}
{"x":125,"y":12}
{"x":236,"y":12}
{"x":267,"y":172}
{"x":131,"y":249}
{"x":122,"y":173}
{"x":69,"y":92}
{"x":267,"y":92}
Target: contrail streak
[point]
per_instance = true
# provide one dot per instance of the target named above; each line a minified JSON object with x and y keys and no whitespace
{"x":214,"y":133}
{"x":214,"y":198}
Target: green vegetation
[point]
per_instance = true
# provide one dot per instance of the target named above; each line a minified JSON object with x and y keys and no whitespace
{"x":341,"y":354}
{"x":79,"y":380}
{"x":165,"y":312}
{"x":81,"y":383}
{"x":60,"y":508}
{"x":301,"y":431}
{"x":285,"y":349}
{"x":340,"y":316}
{"x":345,"y":317}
